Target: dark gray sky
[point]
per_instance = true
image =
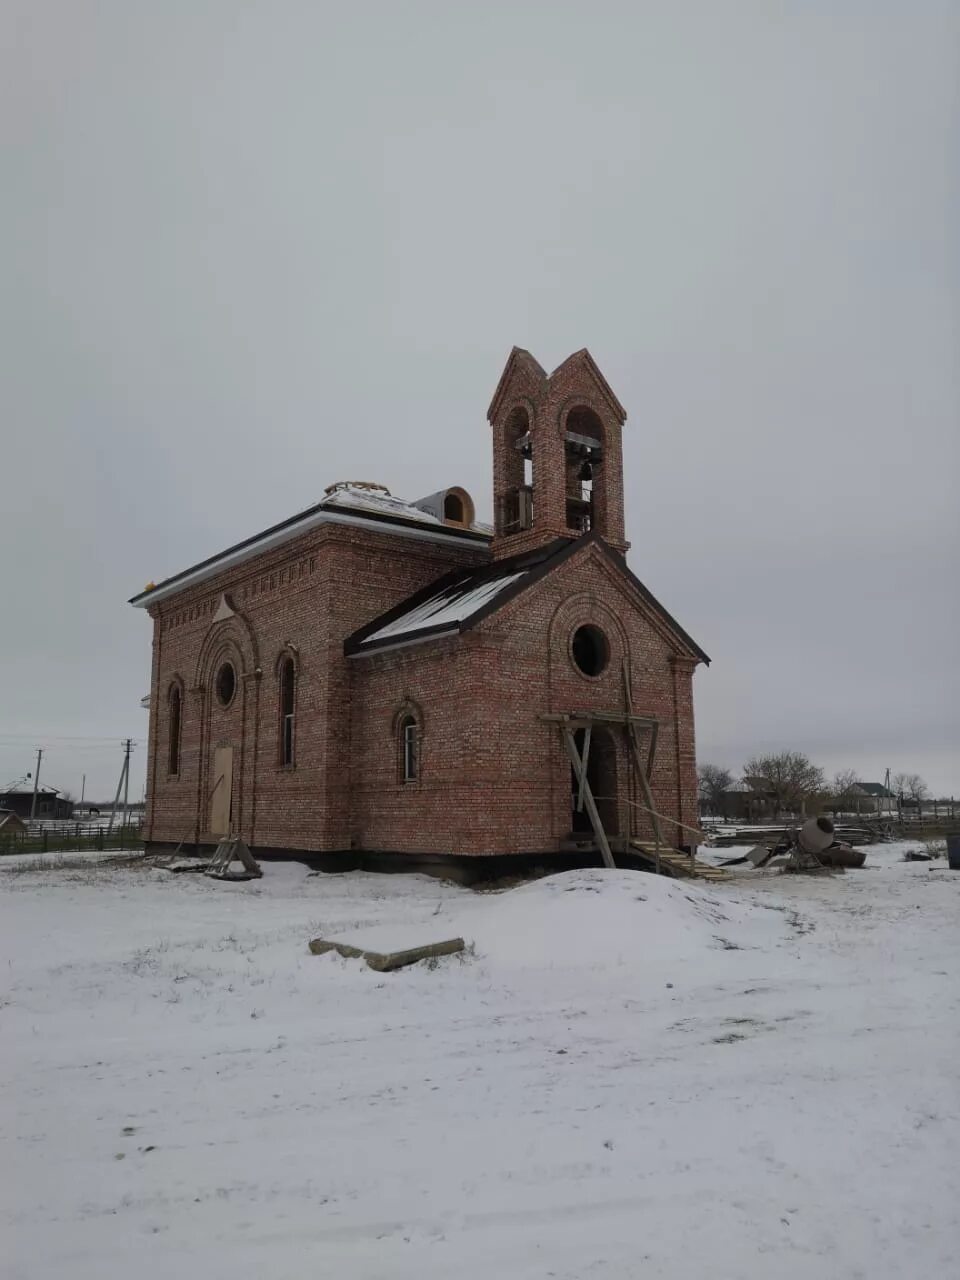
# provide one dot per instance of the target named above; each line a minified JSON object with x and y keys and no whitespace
{"x":252,"y":248}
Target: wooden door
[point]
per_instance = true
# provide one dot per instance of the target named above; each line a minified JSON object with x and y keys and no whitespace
{"x":222,"y":795}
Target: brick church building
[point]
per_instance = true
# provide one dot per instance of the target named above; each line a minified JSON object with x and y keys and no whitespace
{"x":382,"y":681}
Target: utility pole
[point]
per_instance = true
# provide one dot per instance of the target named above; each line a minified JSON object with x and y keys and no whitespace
{"x":36,"y":783}
{"x":127,"y":748}
{"x":83,"y":788}
{"x":124,"y":774}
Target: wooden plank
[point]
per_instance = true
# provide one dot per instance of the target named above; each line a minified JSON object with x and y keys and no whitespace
{"x":220,"y":800}
{"x":638,"y":763}
{"x":586,"y":764}
{"x":580,"y":719}
{"x":589,"y":802}
{"x":682,"y":864}
{"x":384,"y":961}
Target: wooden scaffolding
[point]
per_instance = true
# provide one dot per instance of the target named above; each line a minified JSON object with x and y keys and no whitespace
{"x":663,"y":857}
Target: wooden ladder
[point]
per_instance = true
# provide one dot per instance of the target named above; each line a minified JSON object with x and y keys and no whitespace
{"x":677,"y":864}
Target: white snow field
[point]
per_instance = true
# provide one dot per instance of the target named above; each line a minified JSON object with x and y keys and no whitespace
{"x":627,"y":1077}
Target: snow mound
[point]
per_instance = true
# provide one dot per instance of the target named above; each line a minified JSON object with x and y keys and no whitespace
{"x":592,"y":918}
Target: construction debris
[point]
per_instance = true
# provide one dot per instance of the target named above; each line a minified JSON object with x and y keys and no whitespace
{"x":736,"y":834}
{"x":232,"y":860}
{"x":170,"y":862}
{"x":839,"y":856}
{"x":383,"y":961}
{"x":812,"y":847}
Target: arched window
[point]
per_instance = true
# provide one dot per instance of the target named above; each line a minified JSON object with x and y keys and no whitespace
{"x":409,"y":741}
{"x":175,"y":722}
{"x":458,"y":507}
{"x":583,"y":444}
{"x":288,"y":688}
{"x":515,"y":504}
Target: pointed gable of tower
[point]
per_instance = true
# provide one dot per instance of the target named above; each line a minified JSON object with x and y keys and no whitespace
{"x":557,"y":455}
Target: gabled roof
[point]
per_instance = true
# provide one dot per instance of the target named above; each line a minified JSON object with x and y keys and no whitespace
{"x":42,"y":790}
{"x":518,"y":359}
{"x":876,"y":789}
{"x":521,"y":366}
{"x":351,"y":506}
{"x":460,"y":600}
{"x":583,"y":359}
{"x":457,"y":601}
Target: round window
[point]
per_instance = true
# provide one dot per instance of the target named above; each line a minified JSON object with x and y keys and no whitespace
{"x":591,"y":652}
{"x":226,"y":684}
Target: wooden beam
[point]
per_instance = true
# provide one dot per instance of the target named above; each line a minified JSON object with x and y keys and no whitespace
{"x":586,"y":763}
{"x":653,"y":747}
{"x":638,"y":763}
{"x":588,"y":799}
{"x":580,"y":719}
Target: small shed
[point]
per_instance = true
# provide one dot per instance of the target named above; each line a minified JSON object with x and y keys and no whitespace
{"x":11,"y":827}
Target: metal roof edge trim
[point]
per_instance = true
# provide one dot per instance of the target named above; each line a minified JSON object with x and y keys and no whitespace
{"x":275,"y":538}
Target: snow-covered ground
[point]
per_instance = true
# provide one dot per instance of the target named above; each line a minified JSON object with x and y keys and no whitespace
{"x":627,"y":1077}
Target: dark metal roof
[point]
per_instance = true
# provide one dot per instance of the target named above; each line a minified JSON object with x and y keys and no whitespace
{"x":460,"y":600}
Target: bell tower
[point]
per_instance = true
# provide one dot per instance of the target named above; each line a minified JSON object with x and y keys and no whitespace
{"x":557,"y":456}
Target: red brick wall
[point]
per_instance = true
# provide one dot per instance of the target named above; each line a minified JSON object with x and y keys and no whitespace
{"x":310,"y":594}
{"x":539,"y":675}
{"x":447,"y":685}
{"x":495,"y":778}
{"x":547,"y":402}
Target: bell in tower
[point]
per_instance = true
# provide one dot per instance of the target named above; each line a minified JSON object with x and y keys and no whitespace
{"x":557,"y":470}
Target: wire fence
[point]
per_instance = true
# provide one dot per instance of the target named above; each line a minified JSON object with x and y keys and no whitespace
{"x":70,"y":837}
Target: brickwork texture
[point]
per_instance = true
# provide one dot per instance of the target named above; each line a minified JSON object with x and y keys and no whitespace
{"x":493,"y":776}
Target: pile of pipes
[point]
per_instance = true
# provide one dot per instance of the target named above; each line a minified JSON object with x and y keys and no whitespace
{"x":812,"y":847}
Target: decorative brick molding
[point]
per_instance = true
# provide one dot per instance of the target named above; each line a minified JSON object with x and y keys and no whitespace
{"x":493,"y":776}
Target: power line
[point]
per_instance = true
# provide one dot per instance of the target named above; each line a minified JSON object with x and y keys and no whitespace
{"x":107,"y":739}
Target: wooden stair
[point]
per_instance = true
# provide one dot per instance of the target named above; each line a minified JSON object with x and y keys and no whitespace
{"x":679,"y":865}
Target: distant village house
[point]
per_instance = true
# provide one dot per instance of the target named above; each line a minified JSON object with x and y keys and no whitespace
{"x":50,"y":804}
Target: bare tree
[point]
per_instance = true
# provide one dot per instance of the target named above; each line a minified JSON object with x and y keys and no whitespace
{"x":845,"y":789}
{"x":911,"y":786}
{"x":789,"y":777}
{"x":714,"y":783}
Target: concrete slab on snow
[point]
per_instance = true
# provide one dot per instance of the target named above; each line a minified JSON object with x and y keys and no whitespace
{"x":384,"y":960}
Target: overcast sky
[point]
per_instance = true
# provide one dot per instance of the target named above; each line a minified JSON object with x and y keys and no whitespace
{"x":252,"y":248}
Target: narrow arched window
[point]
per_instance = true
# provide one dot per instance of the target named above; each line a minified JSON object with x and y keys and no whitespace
{"x":288,"y":680}
{"x":409,"y":749}
{"x":176,"y":717}
{"x":583,"y":445}
{"x":453,"y":508}
{"x":516,"y":496}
